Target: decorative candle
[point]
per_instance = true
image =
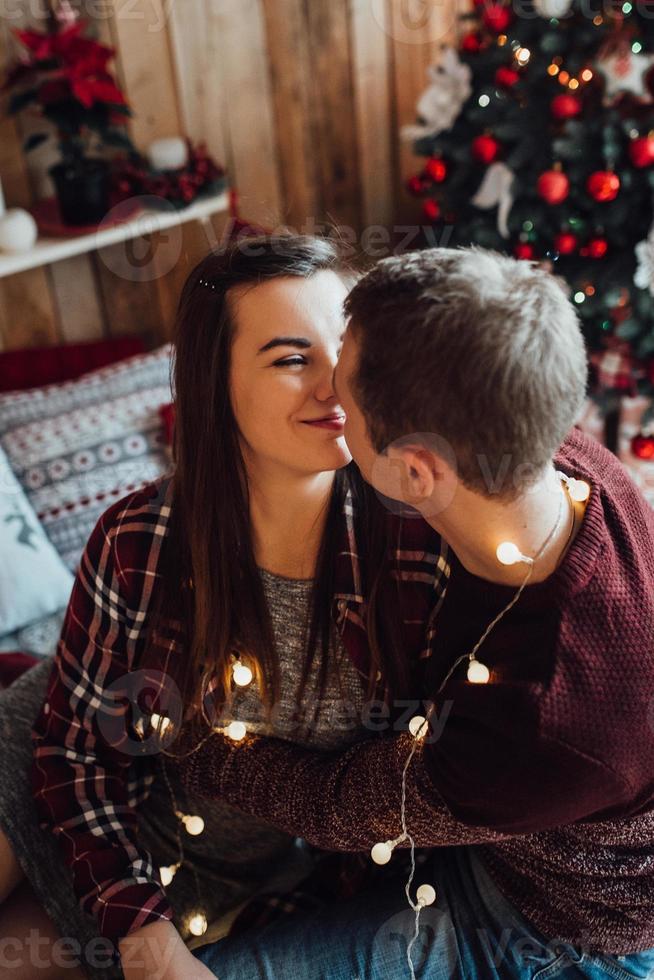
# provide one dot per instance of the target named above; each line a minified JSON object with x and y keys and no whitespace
{"x":168,"y":154}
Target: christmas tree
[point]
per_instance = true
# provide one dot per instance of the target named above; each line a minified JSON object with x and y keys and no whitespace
{"x":539,"y":139}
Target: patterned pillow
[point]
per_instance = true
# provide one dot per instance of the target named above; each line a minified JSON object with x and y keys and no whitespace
{"x":78,"y":446}
{"x":34,"y":581}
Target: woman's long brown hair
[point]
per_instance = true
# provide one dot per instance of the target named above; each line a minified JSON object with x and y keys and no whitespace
{"x":209,"y":589}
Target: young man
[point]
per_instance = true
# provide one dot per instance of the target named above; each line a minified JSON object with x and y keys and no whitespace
{"x":462,"y":375}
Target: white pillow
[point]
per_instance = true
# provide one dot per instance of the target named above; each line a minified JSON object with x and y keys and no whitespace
{"x":34,"y":582}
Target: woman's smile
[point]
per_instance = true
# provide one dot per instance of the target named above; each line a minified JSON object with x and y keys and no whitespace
{"x":335,"y":422}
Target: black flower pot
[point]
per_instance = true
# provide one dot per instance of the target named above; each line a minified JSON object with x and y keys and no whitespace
{"x":82,"y":188}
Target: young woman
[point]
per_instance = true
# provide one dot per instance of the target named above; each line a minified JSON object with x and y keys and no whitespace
{"x":264,"y":552}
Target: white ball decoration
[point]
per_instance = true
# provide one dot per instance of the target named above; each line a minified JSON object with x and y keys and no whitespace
{"x":381,"y":853}
{"x":18,"y":231}
{"x":579,"y":490}
{"x":194,"y":825}
{"x":426,"y":895}
{"x":242,"y":675}
{"x":418,"y":726}
{"x":508,"y":553}
{"x":552,"y":8}
{"x":236,"y":730}
{"x":198,"y":924}
{"x":478,"y":673}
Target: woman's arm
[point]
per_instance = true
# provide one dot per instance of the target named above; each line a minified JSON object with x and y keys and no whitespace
{"x":86,"y":775}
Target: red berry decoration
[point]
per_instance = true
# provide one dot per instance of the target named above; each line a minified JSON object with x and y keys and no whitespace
{"x":417,"y":185}
{"x":524,"y":250}
{"x":641,"y":151}
{"x":553,"y":186}
{"x":497,"y":17}
{"x":597,"y":248}
{"x":506,"y":77}
{"x":643,"y":446}
{"x":485,"y":149}
{"x":431,"y":210}
{"x":471,"y":43}
{"x":565,"y":243}
{"x":565,"y":106}
{"x":436,"y":169}
{"x":603,"y":185}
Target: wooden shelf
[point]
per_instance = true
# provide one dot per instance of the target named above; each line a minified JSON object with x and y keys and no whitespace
{"x":146,"y":222}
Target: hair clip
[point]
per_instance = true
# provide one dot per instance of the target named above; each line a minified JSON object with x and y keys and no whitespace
{"x":209,"y":285}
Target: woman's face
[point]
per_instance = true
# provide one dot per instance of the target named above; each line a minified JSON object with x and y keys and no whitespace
{"x":286,"y":343}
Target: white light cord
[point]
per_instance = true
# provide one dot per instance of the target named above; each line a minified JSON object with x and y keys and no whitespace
{"x":420,"y":904}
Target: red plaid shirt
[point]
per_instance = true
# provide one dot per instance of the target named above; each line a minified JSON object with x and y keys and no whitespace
{"x":86,"y":787}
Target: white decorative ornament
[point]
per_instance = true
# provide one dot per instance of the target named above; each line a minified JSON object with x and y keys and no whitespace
{"x":198,"y":924}
{"x":168,"y":154}
{"x":381,"y":853}
{"x":478,"y":673}
{"x":440,"y":104}
{"x":426,"y":895}
{"x":495,"y":189}
{"x":644,"y":275}
{"x":553,"y":8}
{"x":625,"y":72}
{"x":18,"y":231}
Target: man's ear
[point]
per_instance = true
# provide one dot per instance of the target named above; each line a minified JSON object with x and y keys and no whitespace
{"x":418,"y":472}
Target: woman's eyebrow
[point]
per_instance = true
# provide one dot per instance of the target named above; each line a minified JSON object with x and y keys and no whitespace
{"x":286,"y":342}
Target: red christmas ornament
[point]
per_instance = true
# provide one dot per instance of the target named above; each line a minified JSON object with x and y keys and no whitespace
{"x":603,"y":185}
{"x":485,"y":149}
{"x":565,"y":106}
{"x":643,"y":446}
{"x":523,"y":250}
{"x":497,"y":17}
{"x":471,"y":43}
{"x":597,"y":248}
{"x":641,"y":151}
{"x":553,"y":186}
{"x":431,"y":210}
{"x":565,"y":243}
{"x":417,"y":185}
{"x":506,"y":77}
{"x":436,"y":169}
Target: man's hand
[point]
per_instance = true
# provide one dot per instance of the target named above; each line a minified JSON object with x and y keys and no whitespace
{"x":158,"y":952}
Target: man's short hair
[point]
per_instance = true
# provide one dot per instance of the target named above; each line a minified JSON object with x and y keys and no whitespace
{"x":479,"y":348}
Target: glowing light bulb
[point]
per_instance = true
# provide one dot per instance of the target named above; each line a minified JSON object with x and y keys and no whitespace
{"x":553,"y":70}
{"x":241,"y":674}
{"x":194,"y":825}
{"x":508,"y":553}
{"x":523,"y":55}
{"x":578,"y":490}
{"x":426,"y":895}
{"x":484,"y":100}
{"x":236,"y":730}
{"x":478,"y":673}
{"x":198,"y":924}
{"x":573,"y":83}
{"x":418,"y":726}
{"x":168,"y":873}
{"x":586,"y":75}
{"x":165,"y":722}
{"x":579,"y":297}
{"x":382,"y":853}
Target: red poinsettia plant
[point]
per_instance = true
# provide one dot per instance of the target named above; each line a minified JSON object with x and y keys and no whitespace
{"x":65,"y":76}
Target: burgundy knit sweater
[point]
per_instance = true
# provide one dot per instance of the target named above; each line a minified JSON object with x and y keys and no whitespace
{"x":548,"y":769}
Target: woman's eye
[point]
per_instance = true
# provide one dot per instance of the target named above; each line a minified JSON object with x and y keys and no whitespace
{"x":289,"y":361}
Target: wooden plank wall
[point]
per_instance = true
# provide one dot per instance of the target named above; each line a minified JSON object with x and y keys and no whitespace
{"x":302,"y":100}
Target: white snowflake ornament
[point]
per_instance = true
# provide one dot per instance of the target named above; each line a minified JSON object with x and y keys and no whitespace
{"x":644,"y":274}
{"x":624,"y":72}
{"x":441,"y":103}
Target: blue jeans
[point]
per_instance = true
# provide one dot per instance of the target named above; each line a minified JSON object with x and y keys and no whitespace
{"x":470,"y":933}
